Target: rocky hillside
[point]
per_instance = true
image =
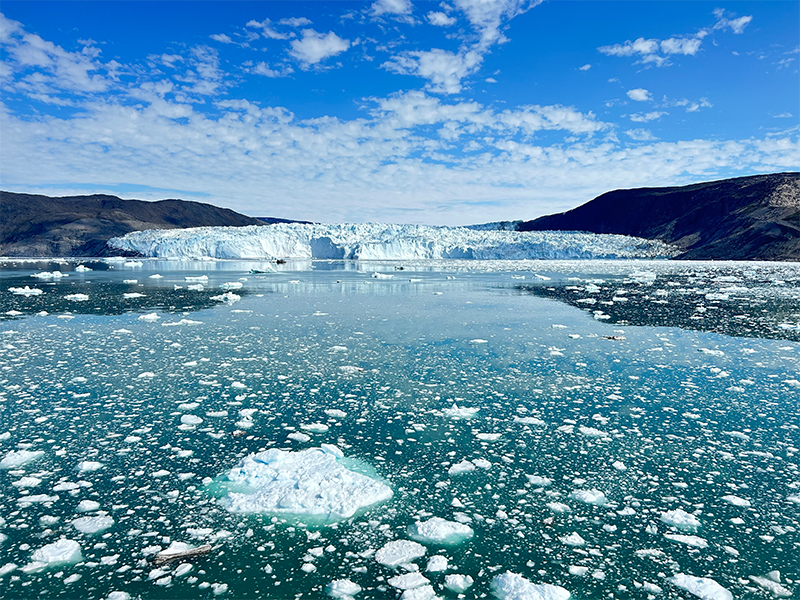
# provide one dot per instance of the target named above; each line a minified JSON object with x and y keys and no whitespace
{"x":747,"y":218}
{"x":32,"y":225}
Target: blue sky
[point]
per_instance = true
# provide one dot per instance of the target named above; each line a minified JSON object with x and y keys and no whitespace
{"x":451,"y":112}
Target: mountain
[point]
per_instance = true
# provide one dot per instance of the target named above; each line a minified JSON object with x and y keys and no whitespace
{"x":746,"y":218}
{"x":33,"y":225}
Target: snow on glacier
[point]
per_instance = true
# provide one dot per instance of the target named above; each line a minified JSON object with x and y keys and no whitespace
{"x":372,"y":241}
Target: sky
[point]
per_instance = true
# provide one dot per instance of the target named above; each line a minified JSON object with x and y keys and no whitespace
{"x":443,"y":113}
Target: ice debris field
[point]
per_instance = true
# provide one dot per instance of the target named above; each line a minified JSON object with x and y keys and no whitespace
{"x":415,"y":430}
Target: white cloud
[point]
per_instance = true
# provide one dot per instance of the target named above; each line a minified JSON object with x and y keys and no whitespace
{"x":640,"y":95}
{"x":315,"y":47}
{"x":783,"y":115}
{"x":585,"y":67}
{"x":221,"y":37}
{"x":640,"y":135}
{"x":444,"y":70}
{"x":267,"y":30}
{"x":645,"y":117}
{"x":440,"y":19}
{"x":735,"y":25}
{"x":264,"y":69}
{"x":295,"y":22}
{"x":391,"y":7}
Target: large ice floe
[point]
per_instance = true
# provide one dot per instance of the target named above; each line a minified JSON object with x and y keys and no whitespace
{"x":372,"y":241}
{"x":309,"y":483}
{"x":510,"y":586}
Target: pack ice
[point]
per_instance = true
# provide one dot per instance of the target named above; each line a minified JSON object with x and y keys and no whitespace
{"x":309,"y":482}
{"x":373,"y":241}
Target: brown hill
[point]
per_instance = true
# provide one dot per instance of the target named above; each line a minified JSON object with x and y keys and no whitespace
{"x":746,"y":218}
{"x":33,"y":225}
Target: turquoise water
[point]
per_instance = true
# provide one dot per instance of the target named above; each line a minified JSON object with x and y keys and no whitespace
{"x":692,"y":416}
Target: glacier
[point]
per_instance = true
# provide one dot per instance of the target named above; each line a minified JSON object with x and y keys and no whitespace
{"x":374,"y":241}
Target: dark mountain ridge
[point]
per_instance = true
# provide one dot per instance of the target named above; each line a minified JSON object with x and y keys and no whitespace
{"x":746,"y":218}
{"x":34,"y":225}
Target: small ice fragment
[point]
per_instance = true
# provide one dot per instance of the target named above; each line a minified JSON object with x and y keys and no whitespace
{"x":619,"y":465}
{"x":92,"y":525}
{"x":689,"y":540}
{"x":150,"y":317}
{"x":573,"y":539}
{"x":464,"y":466}
{"x":458,"y":583}
{"x":681,"y":519}
{"x":578,"y":570}
{"x":342,"y":588}
{"x":488,"y":437}
{"x":299,"y":437}
{"x":87,"y":506}
{"x":89,"y":465}
{"x":17,"y":458}
{"x":314,"y":427}
{"x":118,"y":595}
{"x":62,"y":552}
{"x":76,"y":297}
{"x":774,"y":587}
{"x":510,"y":586}
{"x":702,"y":587}
{"x":437,"y":563}
{"x":478,"y":341}
{"x":191,"y":420}
{"x":440,"y":531}
{"x":398,"y":552}
{"x":25,"y":291}
{"x":736,"y":500}
{"x":408,"y":581}
{"x":459,"y":412}
{"x":592,"y":496}
{"x":132,"y":295}
{"x":558,"y":507}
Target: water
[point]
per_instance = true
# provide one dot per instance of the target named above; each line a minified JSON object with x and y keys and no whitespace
{"x":692,"y":414}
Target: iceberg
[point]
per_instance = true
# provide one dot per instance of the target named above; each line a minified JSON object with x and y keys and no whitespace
{"x":311,"y":482}
{"x":510,"y":586}
{"x":702,"y":587}
{"x":440,"y":531}
{"x":374,"y":241}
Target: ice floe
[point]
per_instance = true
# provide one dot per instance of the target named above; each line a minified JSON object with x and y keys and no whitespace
{"x":511,"y":586}
{"x":440,"y":531}
{"x":399,"y":552}
{"x":309,"y":482}
{"x":702,"y":587}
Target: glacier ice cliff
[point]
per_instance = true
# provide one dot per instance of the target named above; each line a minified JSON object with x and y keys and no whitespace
{"x":372,"y":241}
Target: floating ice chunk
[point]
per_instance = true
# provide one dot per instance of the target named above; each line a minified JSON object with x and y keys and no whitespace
{"x":196,"y":278}
{"x":794,"y":498}
{"x":191,"y":420}
{"x":62,"y":552}
{"x":26,"y":482}
{"x":681,"y":519}
{"x":478,"y":341}
{"x":92,"y":524}
{"x":464,"y":466}
{"x":538,"y":481}
{"x":309,"y":482}
{"x":87,"y":506}
{"x":440,"y":531}
{"x":558,"y":507}
{"x":132,"y":295}
{"x":195,"y":287}
{"x":510,"y":586}
{"x":771,"y":586}
{"x":689,"y":540}
{"x":160,"y":473}
{"x":399,"y":552}
{"x":350,"y":369}
{"x":150,"y":317}
{"x":426,"y":592}
{"x":702,"y":587}
{"x":76,"y":297}
{"x":382,"y":276}
{"x":529,"y":421}
{"x":619,"y":465}
{"x":231,"y":285}
{"x":437,"y":564}
{"x":146,"y":375}
{"x":573,"y":539}
{"x":335,"y":412}
{"x":408,"y":581}
{"x":578,"y":570}
{"x":299,"y":437}
{"x":592,"y":496}
{"x":314,"y":427}
{"x":342,"y":588}
{"x":36,"y":498}
{"x":25,"y":291}
{"x":736,"y":500}
{"x":181,"y":322}
{"x":488,"y":437}
{"x":458,"y":583}
{"x":228,"y":297}
{"x":460,"y":412}
{"x":7,"y":568}
{"x":592,"y":432}
{"x":182,"y":569}
{"x":17,"y":458}
{"x":118,"y":595}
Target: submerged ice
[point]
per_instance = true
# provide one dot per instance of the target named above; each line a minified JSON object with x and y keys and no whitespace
{"x":309,"y":482}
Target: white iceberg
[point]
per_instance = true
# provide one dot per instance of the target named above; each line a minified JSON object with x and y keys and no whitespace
{"x":62,"y":552}
{"x":595,"y":497}
{"x":17,"y":458}
{"x":510,"y":586}
{"x":312,"y":482}
{"x":399,"y":552}
{"x":374,"y":241}
{"x":93,"y":525}
{"x":681,"y":519}
{"x":440,"y":531}
{"x":702,"y":587}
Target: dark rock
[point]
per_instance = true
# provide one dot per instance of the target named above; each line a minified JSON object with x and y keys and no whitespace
{"x":747,"y":218}
{"x":33,"y":225}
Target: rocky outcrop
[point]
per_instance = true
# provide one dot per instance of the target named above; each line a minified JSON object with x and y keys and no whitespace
{"x":746,"y":218}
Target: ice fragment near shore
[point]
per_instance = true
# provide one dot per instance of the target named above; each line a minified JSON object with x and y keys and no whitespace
{"x":510,"y":586}
{"x":309,"y":482}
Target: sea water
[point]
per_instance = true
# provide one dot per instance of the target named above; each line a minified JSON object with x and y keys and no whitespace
{"x":622,"y":429}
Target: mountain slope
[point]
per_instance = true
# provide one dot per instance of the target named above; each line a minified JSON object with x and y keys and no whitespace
{"x":747,"y":218}
{"x":33,"y":225}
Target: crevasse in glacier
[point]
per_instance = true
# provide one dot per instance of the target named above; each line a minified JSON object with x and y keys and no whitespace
{"x":372,"y":241}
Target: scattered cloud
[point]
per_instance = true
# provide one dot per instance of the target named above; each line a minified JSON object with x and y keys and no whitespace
{"x":264,"y":69}
{"x":295,"y":22}
{"x":267,"y":30}
{"x":640,"y":95}
{"x":391,"y":7}
{"x":658,"y":52}
{"x":315,"y":47}
{"x":640,"y":135}
{"x":585,"y":67}
{"x":440,"y":19}
{"x":443,"y":69}
{"x":645,"y":117}
{"x":221,"y":37}
{"x":783,"y":115}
